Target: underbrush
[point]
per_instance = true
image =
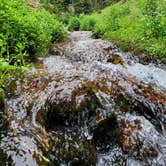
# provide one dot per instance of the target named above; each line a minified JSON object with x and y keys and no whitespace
{"x":24,"y":33}
{"x":74,"y":24}
{"x":138,"y":26}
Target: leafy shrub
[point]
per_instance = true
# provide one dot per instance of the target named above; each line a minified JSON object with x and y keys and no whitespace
{"x":87,"y":23}
{"x":153,"y":27}
{"x":83,"y":6}
{"x":64,"y":18}
{"x":74,"y":24}
{"x":99,"y":30}
{"x":26,"y":32}
{"x":58,"y":34}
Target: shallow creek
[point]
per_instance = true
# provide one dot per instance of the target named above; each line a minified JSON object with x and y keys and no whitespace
{"x":86,"y":104}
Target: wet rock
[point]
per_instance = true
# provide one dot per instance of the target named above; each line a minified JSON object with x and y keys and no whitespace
{"x":80,"y":109}
{"x":149,"y":112}
{"x":106,"y":133}
{"x":69,"y":149}
{"x":114,"y":157}
{"x":144,"y":59}
{"x":163,"y":60}
{"x":3,"y":113}
{"x":38,"y":63}
{"x":86,"y":49}
{"x":141,"y":140}
{"x":150,"y":152}
{"x":131,"y":140}
{"x":57,"y":49}
{"x":4,"y":159}
{"x":72,"y":107}
{"x":142,"y":102}
{"x":115,"y":59}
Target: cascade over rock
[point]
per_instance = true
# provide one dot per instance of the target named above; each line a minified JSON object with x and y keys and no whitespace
{"x":87,"y":104}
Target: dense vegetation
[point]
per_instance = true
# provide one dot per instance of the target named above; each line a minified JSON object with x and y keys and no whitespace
{"x":65,"y":9}
{"x":24,"y":33}
{"x":75,"y":6}
{"x":138,"y":26}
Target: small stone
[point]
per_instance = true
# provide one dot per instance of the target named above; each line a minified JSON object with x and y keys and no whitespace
{"x":144,"y":59}
{"x":115,"y":59}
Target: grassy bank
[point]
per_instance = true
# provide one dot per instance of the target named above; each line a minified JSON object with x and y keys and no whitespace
{"x":138,"y":26}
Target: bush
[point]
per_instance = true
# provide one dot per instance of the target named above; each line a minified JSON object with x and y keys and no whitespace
{"x":99,"y":30}
{"x":83,"y":6}
{"x":74,"y":24}
{"x":64,"y":18}
{"x":58,"y":34}
{"x":87,"y":23}
{"x":25,"y":31}
{"x":152,"y":20}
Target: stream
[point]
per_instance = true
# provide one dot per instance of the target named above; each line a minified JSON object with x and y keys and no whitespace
{"x":86,"y":104}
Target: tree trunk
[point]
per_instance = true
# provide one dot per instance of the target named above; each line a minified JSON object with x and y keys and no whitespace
{"x":95,"y":4}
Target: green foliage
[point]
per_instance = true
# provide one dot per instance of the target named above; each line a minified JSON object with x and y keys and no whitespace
{"x":56,"y":6}
{"x":138,"y":26}
{"x":152,"y":18}
{"x":59,"y":34}
{"x":87,"y":22}
{"x":24,"y":33}
{"x":74,"y":24}
{"x":64,"y":18}
{"x":74,"y":7}
{"x":103,"y":3}
{"x":83,"y":6}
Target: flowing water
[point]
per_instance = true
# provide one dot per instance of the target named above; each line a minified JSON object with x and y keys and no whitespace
{"x":87,"y":104}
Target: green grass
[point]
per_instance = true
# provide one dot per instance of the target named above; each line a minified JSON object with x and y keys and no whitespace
{"x":138,"y":26}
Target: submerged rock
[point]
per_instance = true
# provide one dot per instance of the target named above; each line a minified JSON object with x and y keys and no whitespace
{"x":69,"y":149}
{"x":106,"y":133}
{"x":73,"y":106}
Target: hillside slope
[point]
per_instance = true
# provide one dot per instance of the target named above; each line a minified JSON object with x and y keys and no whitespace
{"x":138,"y":26}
